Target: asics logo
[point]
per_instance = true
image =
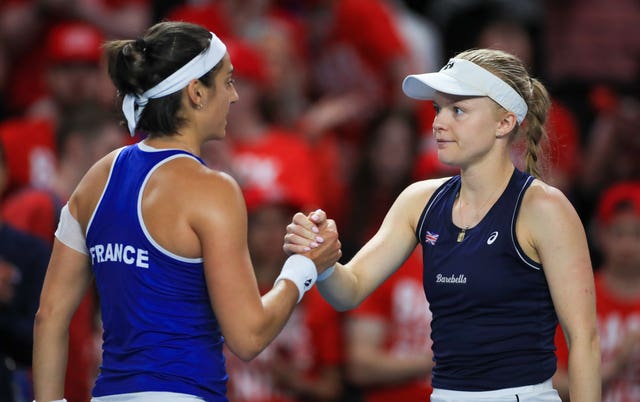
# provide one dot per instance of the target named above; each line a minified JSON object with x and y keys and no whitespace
{"x":492,"y":238}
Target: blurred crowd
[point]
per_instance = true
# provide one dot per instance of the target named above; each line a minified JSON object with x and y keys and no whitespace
{"x":322,"y":122}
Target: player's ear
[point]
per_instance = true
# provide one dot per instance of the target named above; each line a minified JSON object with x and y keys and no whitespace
{"x":506,"y":124}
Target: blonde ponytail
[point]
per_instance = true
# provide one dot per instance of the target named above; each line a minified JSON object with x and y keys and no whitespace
{"x":535,"y":133}
{"x":511,"y":70}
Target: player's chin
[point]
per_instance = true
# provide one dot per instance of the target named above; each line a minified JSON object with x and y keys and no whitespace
{"x":217,"y":134}
{"x":447,"y":159}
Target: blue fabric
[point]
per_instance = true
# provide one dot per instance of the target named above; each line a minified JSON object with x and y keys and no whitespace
{"x":160,"y":333}
{"x":493,"y":318}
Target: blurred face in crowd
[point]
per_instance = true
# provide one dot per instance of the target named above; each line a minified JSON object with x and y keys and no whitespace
{"x":392,"y":154}
{"x":73,"y":83}
{"x":111,"y":137}
{"x":510,"y":37}
{"x":620,"y":242}
{"x":267,"y":227}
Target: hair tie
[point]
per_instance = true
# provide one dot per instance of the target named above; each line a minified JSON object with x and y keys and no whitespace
{"x":141,"y":45}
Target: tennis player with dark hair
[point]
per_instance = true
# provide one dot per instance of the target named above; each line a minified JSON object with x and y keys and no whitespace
{"x":166,"y":238}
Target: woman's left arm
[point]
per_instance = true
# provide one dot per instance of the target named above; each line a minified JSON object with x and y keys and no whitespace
{"x":67,"y":279}
{"x":555,"y":235}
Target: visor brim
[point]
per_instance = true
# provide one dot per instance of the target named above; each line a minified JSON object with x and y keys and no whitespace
{"x":424,"y":86}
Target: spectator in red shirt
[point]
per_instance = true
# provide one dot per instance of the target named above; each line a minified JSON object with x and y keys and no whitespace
{"x":73,"y":56}
{"x":265,"y":159}
{"x":388,"y":345}
{"x":617,"y":233}
{"x":25,"y":26}
{"x":303,"y":361}
{"x":388,"y":349}
{"x":84,"y":134}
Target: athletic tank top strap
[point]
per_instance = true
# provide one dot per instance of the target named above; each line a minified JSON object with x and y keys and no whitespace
{"x":441,"y":191}
{"x":524,"y":182}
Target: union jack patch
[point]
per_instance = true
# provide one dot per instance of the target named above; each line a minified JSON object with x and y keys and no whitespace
{"x":431,"y":238}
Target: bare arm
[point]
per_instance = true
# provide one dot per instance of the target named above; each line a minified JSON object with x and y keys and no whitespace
{"x":66,"y":282}
{"x":561,"y":383}
{"x":556,"y":235}
{"x":249,"y":322}
{"x":351,"y":283}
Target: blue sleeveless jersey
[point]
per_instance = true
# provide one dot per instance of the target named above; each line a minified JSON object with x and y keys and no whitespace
{"x":493,"y":319}
{"x":160,"y":332}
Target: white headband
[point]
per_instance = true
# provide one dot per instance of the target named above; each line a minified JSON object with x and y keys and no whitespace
{"x":195,"y":68}
{"x":465,"y":78}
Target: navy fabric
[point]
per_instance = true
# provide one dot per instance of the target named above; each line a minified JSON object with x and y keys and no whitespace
{"x":493,"y":318}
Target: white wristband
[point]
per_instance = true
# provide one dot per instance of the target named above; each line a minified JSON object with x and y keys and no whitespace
{"x":327,"y":273}
{"x":301,"y":271}
{"x":57,"y":400}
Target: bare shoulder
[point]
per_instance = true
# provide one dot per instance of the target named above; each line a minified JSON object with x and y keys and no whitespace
{"x":208,"y":196}
{"x":547,"y":223}
{"x":200,"y":182}
{"x":88,"y":192}
{"x":547,"y":220}
{"x":413,"y":199}
{"x":542,"y":201}
{"x":424,"y":189}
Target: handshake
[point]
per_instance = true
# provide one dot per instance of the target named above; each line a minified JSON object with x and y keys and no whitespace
{"x":314,"y":248}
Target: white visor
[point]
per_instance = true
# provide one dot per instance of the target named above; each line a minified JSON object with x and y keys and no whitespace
{"x":465,"y":78}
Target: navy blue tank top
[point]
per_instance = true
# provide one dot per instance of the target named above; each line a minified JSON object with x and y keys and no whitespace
{"x":493,"y":320}
{"x":160,"y":332}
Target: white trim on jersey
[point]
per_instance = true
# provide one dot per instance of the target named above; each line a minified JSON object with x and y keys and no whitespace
{"x":514,"y":241}
{"x":435,"y":198}
{"x":139,"y":211}
{"x":148,"y":397}
{"x":104,"y":190}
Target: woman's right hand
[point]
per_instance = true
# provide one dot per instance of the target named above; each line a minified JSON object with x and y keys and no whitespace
{"x":314,"y":236}
{"x":303,"y":233}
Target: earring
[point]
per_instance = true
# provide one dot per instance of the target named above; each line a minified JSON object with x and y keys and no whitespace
{"x":200,"y":106}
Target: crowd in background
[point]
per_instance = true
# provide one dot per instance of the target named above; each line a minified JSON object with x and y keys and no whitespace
{"x":322,"y":122}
